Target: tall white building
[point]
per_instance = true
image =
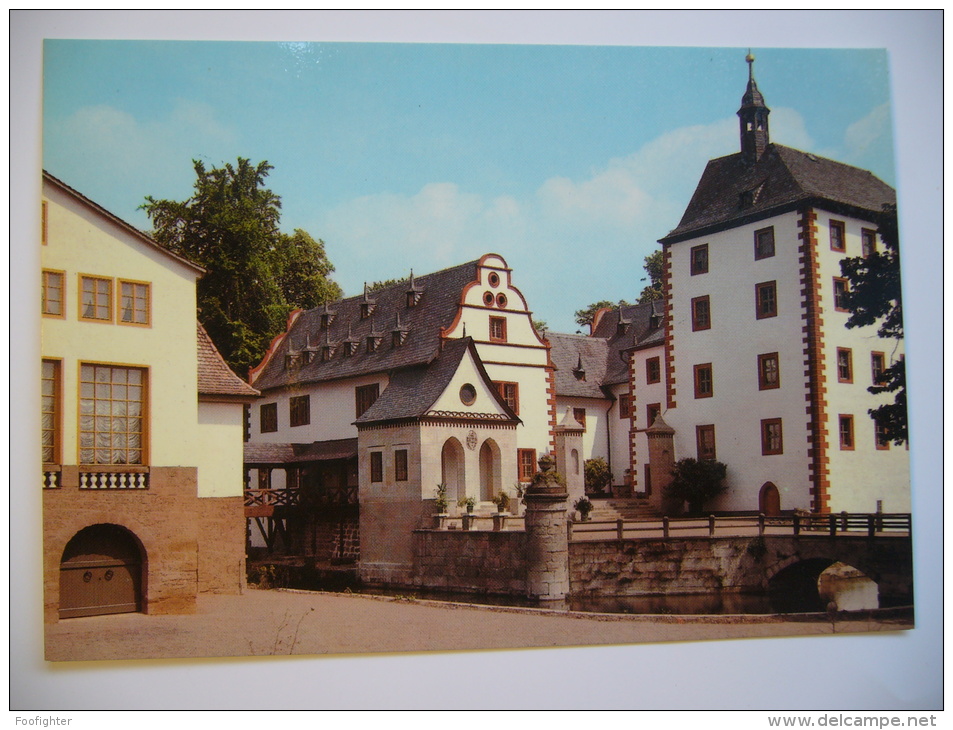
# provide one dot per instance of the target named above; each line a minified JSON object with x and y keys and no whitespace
{"x":762,"y":373}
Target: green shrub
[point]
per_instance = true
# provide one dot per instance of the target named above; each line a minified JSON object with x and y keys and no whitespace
{"x":598,"y":476}
{"x":696,"y":482}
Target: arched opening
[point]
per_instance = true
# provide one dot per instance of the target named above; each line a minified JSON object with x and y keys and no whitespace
{"x":102,"y":571}
{"x":452,"y":473}
{"x":794,"y":589}
{"x":847,"y":588}
{"x":769,"y":500}
{"x":490,"y":478}
{"x":574,"y":461}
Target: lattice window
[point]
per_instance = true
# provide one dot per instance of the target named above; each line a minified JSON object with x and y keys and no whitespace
{"x":112,"y":421}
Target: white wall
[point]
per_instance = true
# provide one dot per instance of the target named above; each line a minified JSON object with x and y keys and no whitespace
{"x":860,"y":477}
{"x":732,"y":346}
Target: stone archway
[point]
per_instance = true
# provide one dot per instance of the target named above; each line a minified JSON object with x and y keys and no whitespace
{"x":769,"y":500}
{"x":453,"y":471}
{"x":102,"y":571}
{"x":491,"y":482}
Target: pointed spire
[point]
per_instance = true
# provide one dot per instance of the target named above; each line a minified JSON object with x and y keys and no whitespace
{"x":753,"y":119}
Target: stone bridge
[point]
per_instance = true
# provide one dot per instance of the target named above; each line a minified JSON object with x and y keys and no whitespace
{"x":754,"y":564}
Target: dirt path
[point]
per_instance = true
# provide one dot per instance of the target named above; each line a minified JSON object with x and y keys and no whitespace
{"x":291,"y":622}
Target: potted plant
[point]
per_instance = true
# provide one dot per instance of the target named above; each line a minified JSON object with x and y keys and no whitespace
{"x":583,"y":506}
{"x":440,"y":503}
{"x":469,"y":503}
{"x":502,"y":502}
{"x":440,"y":506}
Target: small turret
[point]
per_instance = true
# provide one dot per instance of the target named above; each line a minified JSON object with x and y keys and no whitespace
{"x":753,"y":116}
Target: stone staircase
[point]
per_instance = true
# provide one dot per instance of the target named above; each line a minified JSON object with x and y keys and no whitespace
{"x":628,"y":509}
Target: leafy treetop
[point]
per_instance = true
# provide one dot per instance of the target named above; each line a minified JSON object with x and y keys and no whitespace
{"x":255,"y":273}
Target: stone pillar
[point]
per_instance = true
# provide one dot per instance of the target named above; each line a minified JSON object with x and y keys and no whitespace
{"x":547,"y":542}
{"x":572,"y":467}
{"x":661,"y":439}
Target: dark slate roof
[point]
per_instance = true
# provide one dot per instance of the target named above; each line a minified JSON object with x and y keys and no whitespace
{"x":637,"y":331}
{"x":412,"y":392}
{"x":568,"y":352}
{"x":298,"y":453}
{"x":440,"y":295}
{"x":214,"y":376}
{"x":783,"y":179}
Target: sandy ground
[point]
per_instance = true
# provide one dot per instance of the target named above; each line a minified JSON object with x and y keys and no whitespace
{"x":292,"y":622}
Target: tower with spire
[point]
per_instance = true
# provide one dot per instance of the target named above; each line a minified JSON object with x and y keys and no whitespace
{"x":761,"y":372}
{"x":753,"y":119}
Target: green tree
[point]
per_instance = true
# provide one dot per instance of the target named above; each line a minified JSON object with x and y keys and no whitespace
{"x":873,"y":296}
{"x":384,"y":284}
{"x":597,"y":474}
{"x":696,"y":482}
{"x":585,"y":316}
{"x":654,"y":266}
{"x":255,"y":273}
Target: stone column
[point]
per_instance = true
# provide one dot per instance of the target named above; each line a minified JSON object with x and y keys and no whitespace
{"x":568,"y":439}
{"x":547,"y":542}
{"x":661,"y":439}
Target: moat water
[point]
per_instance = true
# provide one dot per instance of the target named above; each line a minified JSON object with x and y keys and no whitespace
{"x":791,"y":598}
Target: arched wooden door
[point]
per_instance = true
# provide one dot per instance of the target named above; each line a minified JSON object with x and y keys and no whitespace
{"x":101,"y":572}
{"x":769,"y":501}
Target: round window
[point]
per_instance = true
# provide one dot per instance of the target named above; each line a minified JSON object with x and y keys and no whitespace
{"x":468,"y":394}
{"x":501,"y":301}
{"x":488,"y":298}
{"x":494,"y":279}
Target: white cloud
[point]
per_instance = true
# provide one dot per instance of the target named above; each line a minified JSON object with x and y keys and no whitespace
{"x":143,"y":157}
{"x":569,"y":241}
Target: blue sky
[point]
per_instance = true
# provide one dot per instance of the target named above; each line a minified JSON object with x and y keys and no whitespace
{"x":570,"y":161}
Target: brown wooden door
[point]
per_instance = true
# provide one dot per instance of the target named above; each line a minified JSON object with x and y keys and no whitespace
{"x":770,"y":500}
{"x":101,"y":573}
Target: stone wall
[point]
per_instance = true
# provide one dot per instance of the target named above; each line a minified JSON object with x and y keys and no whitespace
{"x":646,"y":567}
{"x":221,"y":544}
{"x":702,"y":565}
{"x":332,"y":533}
{"x":189,"y":544}
{"x":470,"y":561}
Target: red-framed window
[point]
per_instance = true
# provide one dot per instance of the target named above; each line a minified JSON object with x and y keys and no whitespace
{"x":704,"y":384}
{"x":838,"y":238}
{"x":526,"y":462}
{"x":771,"y":438}
{"x":845,"y":365}
{"x":701,"y":313}
{"x":766,"y":299}
{"x":705,"y":441}
{"x":769,"y":372}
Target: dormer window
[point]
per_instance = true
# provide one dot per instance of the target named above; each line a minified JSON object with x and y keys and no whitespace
{"x":292,"y":360}
{"x":414,"y":293}
{"x":350,"y":347}
{"x":579,"y":371}
{"x":367,"y":309}
{"x":399,"y":337}
{"x":373,"y":342}
{"x":327,"y":352}
{"x":326,"y":319}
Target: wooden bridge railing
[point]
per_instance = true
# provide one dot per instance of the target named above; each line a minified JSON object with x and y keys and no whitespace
{"x":843,"y":523}
{"x":272,"y":497}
